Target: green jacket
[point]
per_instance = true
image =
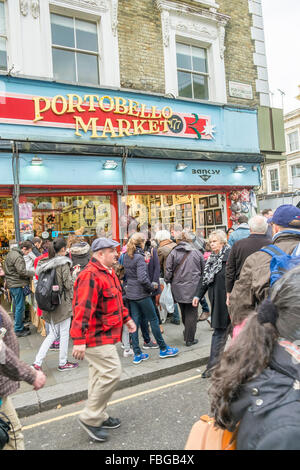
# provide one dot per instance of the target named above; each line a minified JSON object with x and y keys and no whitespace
{"x":15,"y":269}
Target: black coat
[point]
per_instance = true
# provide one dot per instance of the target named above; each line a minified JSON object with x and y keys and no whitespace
{"x":268,"y":407}
{"x":239,"y":253}
{"x":217,"y":297}
{"x":138,"y":284}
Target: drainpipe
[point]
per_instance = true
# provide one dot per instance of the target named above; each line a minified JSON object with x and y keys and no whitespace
{"x":16,"y":189}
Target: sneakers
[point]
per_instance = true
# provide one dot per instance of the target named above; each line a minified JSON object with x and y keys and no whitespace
{"x":111,"y":423}
{"x":97,"y":433}
{"x":169,"y":352}
{"x":36,"y":367}
{"x":68,"y":366}
{"x":24,"y":332}
{"x":150,"y":345}
{"x":190,"y":343}
{"x":140,"y":358}
{"x":54,"y":346}
{"x":128,"y":352}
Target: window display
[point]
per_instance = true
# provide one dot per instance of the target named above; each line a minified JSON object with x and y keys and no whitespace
{"x":153,"y":212}
{"x":7,"y":227}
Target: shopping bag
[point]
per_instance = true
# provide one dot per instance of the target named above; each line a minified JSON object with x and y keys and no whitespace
{"x":166,"y":299}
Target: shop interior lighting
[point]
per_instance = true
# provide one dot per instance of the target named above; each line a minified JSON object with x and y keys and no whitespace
{"x":181,"y":166}
{"x":110,"y":165}
{"x":36,"y":161}
{"x":239,"y":169}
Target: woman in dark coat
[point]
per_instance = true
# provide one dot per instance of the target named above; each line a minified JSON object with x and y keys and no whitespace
{"x":213,"y":281}
{"x":256,"y":385}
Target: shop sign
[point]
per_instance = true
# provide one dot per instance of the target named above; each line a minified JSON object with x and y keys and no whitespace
{"x":103,"y":116}
{"x":205,"y":174}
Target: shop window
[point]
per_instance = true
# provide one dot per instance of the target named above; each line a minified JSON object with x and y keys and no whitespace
{"x":75,"y":50}
{"x":7,"y":228}
{"x":200,"y":214}
{"x":192,"y":71}
{"x":89,"y":216}
{"x":3,"y":38}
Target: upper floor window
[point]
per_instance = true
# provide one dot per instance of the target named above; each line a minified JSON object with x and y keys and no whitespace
{"x":75,"y":50}
{"x":293,"y":141}
{"x":273,"y":179}
{"x":192,"y":71}
{"x":3,"y":38}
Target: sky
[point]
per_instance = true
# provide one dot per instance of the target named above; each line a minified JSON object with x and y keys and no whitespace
{"x":282,"y":37}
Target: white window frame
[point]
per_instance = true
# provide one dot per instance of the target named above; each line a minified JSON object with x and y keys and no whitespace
{"x":108,"y":51}
{"x":204,"y":29}
{"x":268,"y":169}
{"x":289,"y":170}
{"x":202,"y":74}
{"x":288,"y":141}
{"x":5,"y":36}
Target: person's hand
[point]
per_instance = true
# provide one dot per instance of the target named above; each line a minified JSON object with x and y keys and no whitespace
{"x":154,"y":285}
{"x":157,"y":297}
{"x":228,"y":299}
{"x":79,"y":351}
{"x":40,"y":380}
{"x":195,"y":302}
{"x":131,"y":326}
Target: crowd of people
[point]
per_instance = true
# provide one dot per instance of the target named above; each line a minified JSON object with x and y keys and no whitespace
{"x":245,"y":280}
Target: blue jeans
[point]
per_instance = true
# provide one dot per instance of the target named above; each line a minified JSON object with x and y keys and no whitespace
{"x":144,"y":309}
{"x":19,"y":307}
{"x":204,"y":305}
{"x":176,"y":315}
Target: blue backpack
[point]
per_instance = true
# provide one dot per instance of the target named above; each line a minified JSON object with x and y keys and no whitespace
{"x":281,"y":262}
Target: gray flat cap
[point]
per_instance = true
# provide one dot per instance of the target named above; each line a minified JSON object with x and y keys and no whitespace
{"x":101,"y":243}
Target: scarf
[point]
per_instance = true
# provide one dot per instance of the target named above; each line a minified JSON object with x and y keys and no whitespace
{"x":214,"y":265}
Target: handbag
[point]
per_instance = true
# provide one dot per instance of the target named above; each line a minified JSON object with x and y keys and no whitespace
{"x":4,"y":429}
{"x":205,"y":435}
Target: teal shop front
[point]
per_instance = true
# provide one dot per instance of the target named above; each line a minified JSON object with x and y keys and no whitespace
{"x":103,"y":162}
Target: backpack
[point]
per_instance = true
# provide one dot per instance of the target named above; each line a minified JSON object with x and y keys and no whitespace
{"x":47,"y":292}
{"x":281,"y":262}
{"x":205,"y":435}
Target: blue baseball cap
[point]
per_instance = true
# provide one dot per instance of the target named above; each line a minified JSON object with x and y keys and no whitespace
{"x":101,"y":243}
{"x":287,"y":216}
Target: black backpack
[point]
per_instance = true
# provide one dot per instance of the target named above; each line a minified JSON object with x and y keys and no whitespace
{"x":47,"y":292}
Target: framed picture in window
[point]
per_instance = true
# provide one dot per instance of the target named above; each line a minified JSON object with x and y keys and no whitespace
{"x":168,"y":200}
{"x":201,"y":218}
{"x":209,"y":230}
{"x":201,"y":231}
{"x":203,"y":201}
{"x":210,"y":217}
{"x":213,"y":200}
{"x":218,"y":216}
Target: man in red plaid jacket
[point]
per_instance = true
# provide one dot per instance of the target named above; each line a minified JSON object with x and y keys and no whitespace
{"x":98,"y":318}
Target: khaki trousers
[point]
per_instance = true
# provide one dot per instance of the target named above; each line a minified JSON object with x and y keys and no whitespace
{"x":16,"y":442}
{"x":104,"y":374}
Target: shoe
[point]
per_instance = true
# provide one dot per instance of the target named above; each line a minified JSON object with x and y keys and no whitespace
{"x":111,"y":423}
{"x":128,"y":352}
{"x":54,"y":346}
{"x":150,"y":345}
{"x":140,"y":358}
{"x":206,"y":374}
{"x":169,"y":352}
{"x":36,"y":367}
{"x":204,"y":316}
{"x":68,"y":365}
{"x":190,"y":343}
{"x":175,"y":322}
{"x":21,"y":334}
{"x":96,"y":433}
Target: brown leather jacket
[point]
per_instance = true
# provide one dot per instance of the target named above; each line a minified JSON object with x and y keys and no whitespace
{"x":163,"y":251}
{"x":252,"y":287}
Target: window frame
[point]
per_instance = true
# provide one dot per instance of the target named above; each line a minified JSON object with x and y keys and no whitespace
{"x":73,"y":15}
{"x":294,"y":131}
{"x":269,"y":181}
{"x":192,"y":72}
{"x":5,"y":36}
{"x":289,"y":170}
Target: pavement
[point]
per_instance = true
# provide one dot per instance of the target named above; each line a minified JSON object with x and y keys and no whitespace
{"x":64,"y":388}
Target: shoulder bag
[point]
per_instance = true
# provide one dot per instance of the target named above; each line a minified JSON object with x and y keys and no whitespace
{"x":205,"y":435}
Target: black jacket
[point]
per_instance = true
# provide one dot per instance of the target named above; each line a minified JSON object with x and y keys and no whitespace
{"x":138,"y":284}
{"x":238,"y":254}
{"x":268,"y":407}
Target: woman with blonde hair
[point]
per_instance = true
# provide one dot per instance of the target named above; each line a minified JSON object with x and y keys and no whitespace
{"x":213,"y":281}
{"x":139,"y":290}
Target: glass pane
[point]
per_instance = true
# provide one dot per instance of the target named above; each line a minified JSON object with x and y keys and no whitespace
{"x":185,"y":84}
{"x":293,"y":141}
{"x":199,"y":59}
{"x":64,"y":65}
{"x":87,"y":68}
{"x":183,"y":53}
{"x":3,"y":55}
{"x":2,"y":19}
{"x":62,"y":28}
{"x":295,"y":170}
{"x":86,"y":36}
{"x":200,"y":87}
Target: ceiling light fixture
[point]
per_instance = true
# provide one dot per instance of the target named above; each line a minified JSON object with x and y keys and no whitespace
{"x":239,"y":169}
{"x":36,"y":161}
{"x":110,"y":165}
{"x":181,"y":166}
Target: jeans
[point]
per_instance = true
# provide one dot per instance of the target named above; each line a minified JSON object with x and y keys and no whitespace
{"x":218,"y":342}
{"x":19,"y":305}
{"x":204,"y":305}
{"x":176,"y":315}
{"x":62,"y":329}
{"x":144,"y":309}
